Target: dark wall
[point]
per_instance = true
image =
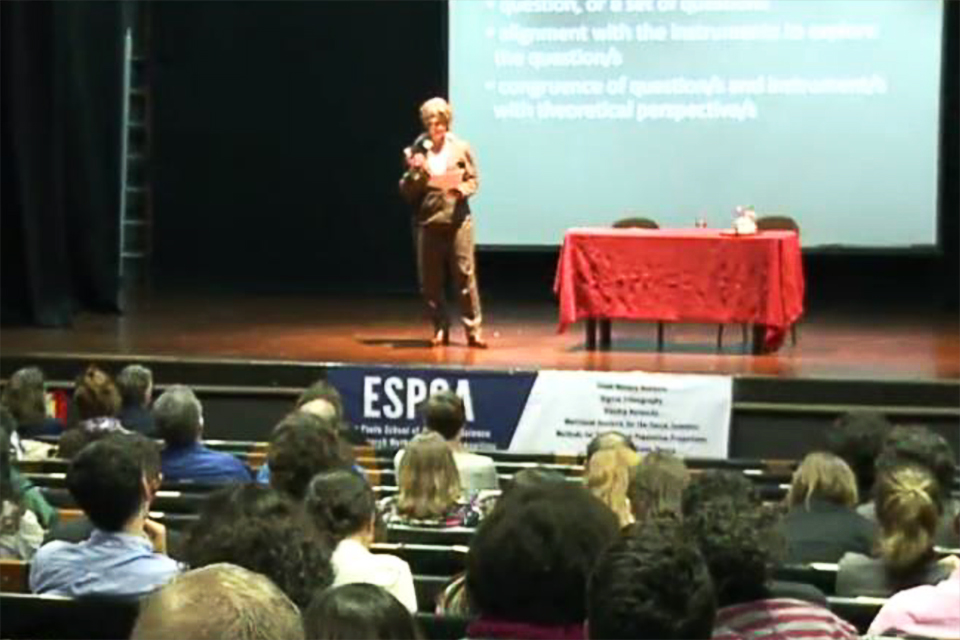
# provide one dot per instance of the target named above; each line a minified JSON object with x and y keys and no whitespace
{"x":277,"y":135}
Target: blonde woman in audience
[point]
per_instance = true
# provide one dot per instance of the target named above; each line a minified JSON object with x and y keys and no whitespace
{"x":908,"y":503}
{"x":607,"y":475}
{"x":822,"y":524}
{"x":656,"y":485}
{"x":430,"y":491}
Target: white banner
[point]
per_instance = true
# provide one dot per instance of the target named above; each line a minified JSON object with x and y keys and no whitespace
{"x":686,"y":414}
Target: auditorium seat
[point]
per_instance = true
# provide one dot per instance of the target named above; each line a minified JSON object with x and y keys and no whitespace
{"x":436,"y":627}
{"x":36,"y":617}
{"x":427,"y":589}
{"x":447,"y":536}
{"x":14,"y":576}
{"x":822,"y":575}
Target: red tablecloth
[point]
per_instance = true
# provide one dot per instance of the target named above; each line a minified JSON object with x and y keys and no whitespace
{"x":682,"y":275}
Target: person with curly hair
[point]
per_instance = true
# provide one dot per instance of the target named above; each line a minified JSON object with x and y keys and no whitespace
{"x":301,"y":446}
{"x":342,"y":506}
{"x":529,"y":562}
{"x":909,"y":507}
{"x":359,"y":612}
{"x":656,"y":485}
{"x":857,"y":437}
{"x":651,"y":583}
{"x":263,"y":530}
{"x":821,"y":524}
{"x":737,"y":538}
{"x":215,"y":602}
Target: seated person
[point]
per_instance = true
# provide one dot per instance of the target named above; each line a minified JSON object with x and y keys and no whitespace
{"x":216,"y":602}
{"x":738,"y":541}
{"x":445,"y":413}
{"x":927,"y":611}
{"x":342,"y":506}
{"x":358,"y":611}
{"x":126,"y":553}
{"x":429,"y":493}
{"x":263,"y":530}
{"x":920,"y":445}
{"x":529,"y":562}
{"x":20,"y":531}
{"x":97,"y":403}
{"x":301,"y":446}
{"x":857,"y":437}
{"x":822,"y":525}
{"x":651,"y":583}
{"x":656,"y":485}
{"x":607,"y":476}
{"x":908,"y":506}
{"x":607,"y":440}
{"x":135,"y":384}
{"x":25,"y":397}
{"x":30,"y":497}
{"x":179,"y":421}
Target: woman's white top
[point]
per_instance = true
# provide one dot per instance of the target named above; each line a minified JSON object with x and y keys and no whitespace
{"x":352,"y":563}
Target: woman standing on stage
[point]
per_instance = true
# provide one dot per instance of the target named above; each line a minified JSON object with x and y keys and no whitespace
{"x":441,"y":175}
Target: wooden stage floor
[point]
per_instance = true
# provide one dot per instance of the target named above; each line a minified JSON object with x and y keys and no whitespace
{"x":854,"y":344}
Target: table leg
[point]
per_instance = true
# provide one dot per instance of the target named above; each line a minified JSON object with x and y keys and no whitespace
{"x":604,"y":333}
{"x":757,"y":343}
{"x":591,"y":326}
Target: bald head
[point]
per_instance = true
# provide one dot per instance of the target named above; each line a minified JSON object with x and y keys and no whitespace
{"x":218,"y":601}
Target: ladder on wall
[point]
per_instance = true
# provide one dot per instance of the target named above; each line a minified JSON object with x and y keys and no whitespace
{"x":136,"y":197}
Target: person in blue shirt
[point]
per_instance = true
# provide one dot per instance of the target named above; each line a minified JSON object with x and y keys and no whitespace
{"x":178,"y":416}
{"x":113,"y":480}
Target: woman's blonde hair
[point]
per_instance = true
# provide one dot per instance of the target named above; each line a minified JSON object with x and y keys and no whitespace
{"x":908,"y":510}
{"x":429,"y":482}
{"x":608,"y":478}
{"x":436,"y":108}
{"x":823,"y":476}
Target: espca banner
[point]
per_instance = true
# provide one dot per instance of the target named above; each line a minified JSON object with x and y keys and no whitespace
{"x":682,"y":413}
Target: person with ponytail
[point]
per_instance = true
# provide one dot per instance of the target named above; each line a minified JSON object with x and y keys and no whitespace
{"x":909,"y":506}
{"x":342,"y":506}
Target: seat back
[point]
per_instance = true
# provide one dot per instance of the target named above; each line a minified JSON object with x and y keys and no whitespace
{"x":427,"y":559}
{"x":636,"y":223}
{"x":36,"y":617}
{"x":777,"y":223}
{"x":442,"y":627}
{"x":822,"y":575}
{"x":446,"y":536}
{"x":859,"y":611}
{"x":14,"y":576}
{"x":427,"y":589}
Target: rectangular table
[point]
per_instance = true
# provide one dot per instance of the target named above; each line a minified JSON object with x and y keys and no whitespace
{"x":682,"y":275}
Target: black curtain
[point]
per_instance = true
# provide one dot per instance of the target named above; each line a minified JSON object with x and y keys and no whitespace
{"x":62,"y":65}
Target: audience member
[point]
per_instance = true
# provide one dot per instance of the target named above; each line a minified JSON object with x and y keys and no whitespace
{"x":656,"y":485}
{"x":126,"y":553}
{"x":301,"y":446}
{"x":263,"y":530}
{"x":343,"y":506}
{"x":217,"y":602}
{"x":25,"y":397}
{"x":529,"y":562}
{"x":737,"y":539}
{"x":651,"y":583}
{"x":359,"y":612}
{"x":323,"y":390}
{"x":135,"y":384}
{"x":908,"y":508}
{"x":927,"y":611}
{"x":608,"y":440}
{"x":97,"y":402}
{"x":607,"y":476}
{"x":179,"y":420}
{"x":31,"y":498}
{"x":444,"y":413}
{"x":20,"y":531}
{"x":920,"y":445}
{"x":429,"y":491}
{"x":857,"y":437}
{"x":821,"y":524}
